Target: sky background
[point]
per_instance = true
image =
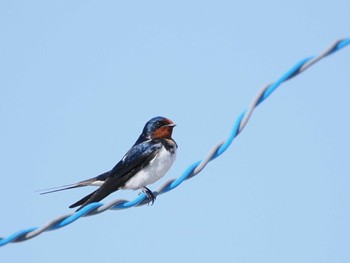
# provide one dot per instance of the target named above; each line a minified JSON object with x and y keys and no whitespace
{"x":79,"y":79}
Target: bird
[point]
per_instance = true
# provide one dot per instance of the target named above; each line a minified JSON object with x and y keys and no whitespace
{"x":148,"y":160}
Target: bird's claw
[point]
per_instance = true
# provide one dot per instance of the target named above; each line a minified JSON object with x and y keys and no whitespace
{"x":149,"y":194}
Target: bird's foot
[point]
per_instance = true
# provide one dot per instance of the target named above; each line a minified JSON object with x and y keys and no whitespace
{"x":149,"y":194}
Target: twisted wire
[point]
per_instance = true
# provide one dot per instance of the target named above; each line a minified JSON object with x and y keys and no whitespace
{"x":192,"y":170}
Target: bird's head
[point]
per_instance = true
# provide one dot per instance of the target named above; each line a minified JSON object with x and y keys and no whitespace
{"x":158,"y":127}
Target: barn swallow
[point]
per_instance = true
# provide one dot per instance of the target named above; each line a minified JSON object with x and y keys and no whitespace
{"x":146,"y":162}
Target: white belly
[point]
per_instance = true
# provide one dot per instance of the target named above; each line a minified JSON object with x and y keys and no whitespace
{"x":155,"y":170}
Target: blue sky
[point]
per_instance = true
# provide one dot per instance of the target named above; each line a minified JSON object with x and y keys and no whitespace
{"x":80,"y":78}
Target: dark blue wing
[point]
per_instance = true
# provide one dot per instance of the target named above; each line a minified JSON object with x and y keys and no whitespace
{"x":136,"y":158}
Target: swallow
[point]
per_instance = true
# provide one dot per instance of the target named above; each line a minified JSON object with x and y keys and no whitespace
{"x":145,"y":162}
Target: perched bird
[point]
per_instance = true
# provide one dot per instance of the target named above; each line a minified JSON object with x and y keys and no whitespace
{"x":146,"y":162}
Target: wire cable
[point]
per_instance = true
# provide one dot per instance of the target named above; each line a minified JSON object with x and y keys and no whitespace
{"x":192,"y":170}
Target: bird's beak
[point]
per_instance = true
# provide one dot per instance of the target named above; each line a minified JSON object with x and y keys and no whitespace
{"x":171,"y":125}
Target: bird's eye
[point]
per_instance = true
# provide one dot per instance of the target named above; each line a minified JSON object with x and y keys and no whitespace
{"x":158,"y":124}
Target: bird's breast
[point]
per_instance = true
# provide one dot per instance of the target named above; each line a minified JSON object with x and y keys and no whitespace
{"x":155,"y":170}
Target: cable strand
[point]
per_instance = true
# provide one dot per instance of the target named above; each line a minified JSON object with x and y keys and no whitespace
{"x":192,"y":170}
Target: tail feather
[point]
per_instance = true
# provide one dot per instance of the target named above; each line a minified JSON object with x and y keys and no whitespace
{"x":60,"y":188}
{"x":96,"y":196}
{"x":110,"y":185}
{"x":82,"y":201}
{"x":68,"y":186}
{"x":95,"y":181}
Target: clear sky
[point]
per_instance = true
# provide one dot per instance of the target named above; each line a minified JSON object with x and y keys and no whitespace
{"x":79,"y":79}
